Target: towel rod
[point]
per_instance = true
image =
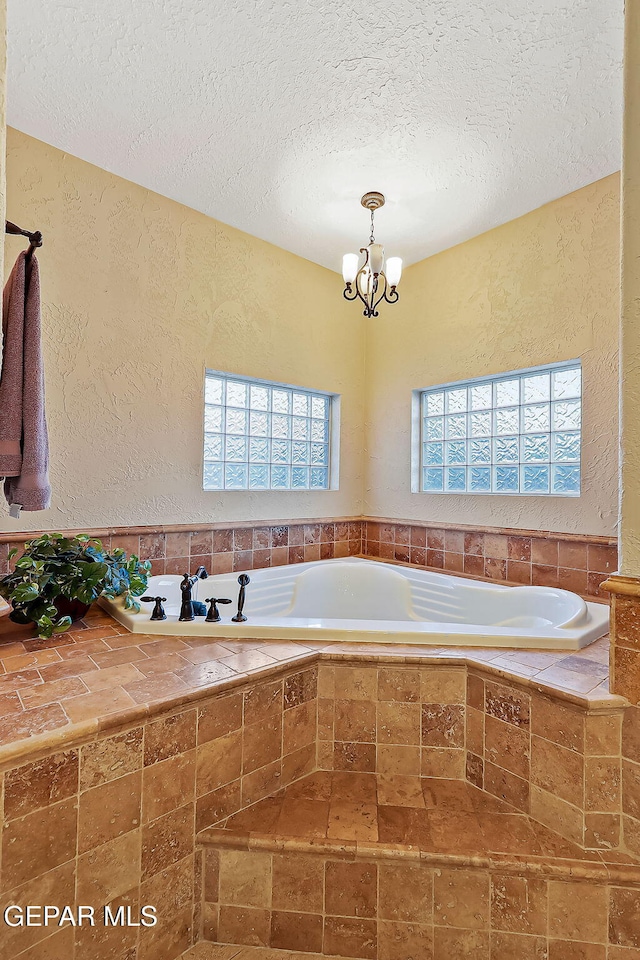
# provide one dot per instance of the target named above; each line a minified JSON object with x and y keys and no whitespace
{"x":35,"y":239}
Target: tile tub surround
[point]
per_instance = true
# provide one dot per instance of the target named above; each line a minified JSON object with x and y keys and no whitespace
{"x":572,"y":562}
{"x":381,"y":868}
{"x":522,"y":557}
{"x":113,"y":819}
{"x":123,"y":792}
{"x":222,"y":548}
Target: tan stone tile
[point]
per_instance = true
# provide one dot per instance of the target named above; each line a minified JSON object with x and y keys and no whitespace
{"x":244,"y":925}
{"x":356,"y":787}
{"x":602,"y":830}
{"x":506,"y":786}
{"x":461,"y":898}
{"x":109,"y":871}
{"x":602,"y":776}
{"x":557,"y":770}
{"x":303,"y":818}
{"x":449,"y":942}
{"x":405,"y":892}
{"x":170,"y":938}
{"x":351,"y":889}
{"x":38,"y":784}
{"x":507,"y":704}
{"x":355,"y":683}
{"x":475,"y":691}
{"x":167,"y":840}
{"x":300,"y":725}
{"x":296,"y":931}
{"x":29,"y":723}
{"x":400,"y":791}
{"x":350,"y":937}
{"x":37,"y":843}
{"x":110,"y":757}
{"x":397,"y":684}
{"x":507,"y":745}
{"x":262,"y":782}
{"x":558,"y":722}
{"x":577,"y":911}
{"x":475,"y":731}
{"x":602,"y":735}
{"x":110,"y":677}
{"x":355,"y":721}
{"x":170,"y":890}
{"x":398,"y":760}
{"x":171,"y":735}
{"x":219,"y":716}
{"x":442,"y":725}
{"x":218,"y":805}
{"x":398,"y":723}
{"x":507,"y":945}
{"x":442,"y":762}
{"x":98,"y":704}
{"x":443,"y":685}
{"x":55,"y":887}
{"x":555,"y":813}
{"x":298,"y":883}
{"x":566,"y":950}
{"x":261,"y":743}
{"x":519,"y":904}
{"x":168,"y":784}
{"x":354,"y":756}
{"x":623,"y":918}
{"x":218,"y":762}
{"x":109,"y":810}
{"x":299,"y":763}
{"x":245,"y":878}
{"x":351,"y":820}
{"x":631,"y":788}
{"x":58,"y":946}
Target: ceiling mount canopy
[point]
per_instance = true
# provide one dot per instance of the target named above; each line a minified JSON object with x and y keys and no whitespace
{"x":376,"y":279}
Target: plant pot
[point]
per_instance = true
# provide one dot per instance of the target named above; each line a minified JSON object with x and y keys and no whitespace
{"x":70,"y":608}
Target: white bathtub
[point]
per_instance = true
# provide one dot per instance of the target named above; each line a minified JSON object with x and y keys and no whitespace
{"x":355,"y":599}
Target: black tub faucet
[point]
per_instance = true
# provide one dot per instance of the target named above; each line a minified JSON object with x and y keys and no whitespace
{"x":213,"y":616}
{"x":186,"y":586}
{"x":158,"y":610}
{"x":243,"y":580}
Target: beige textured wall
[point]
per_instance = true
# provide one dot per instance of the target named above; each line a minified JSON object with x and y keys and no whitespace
{"x":539,"y":289}
{"x":629,"y":538}
{"x":139,"y":294}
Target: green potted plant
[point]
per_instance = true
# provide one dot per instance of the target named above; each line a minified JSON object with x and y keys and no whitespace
{"x":57,"y":578}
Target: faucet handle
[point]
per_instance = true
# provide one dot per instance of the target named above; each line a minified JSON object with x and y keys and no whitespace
{"x":158,"y":610}
{"x":213,"y":616}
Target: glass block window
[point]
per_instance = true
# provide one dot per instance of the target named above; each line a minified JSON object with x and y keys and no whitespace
{"x":517,"y":433}
{"x":264,"y":436}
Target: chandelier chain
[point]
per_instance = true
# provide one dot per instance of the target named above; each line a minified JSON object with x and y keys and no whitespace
{"x":371,"y":237}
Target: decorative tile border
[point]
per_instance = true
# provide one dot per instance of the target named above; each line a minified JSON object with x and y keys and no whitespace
{"x":569,"y":561}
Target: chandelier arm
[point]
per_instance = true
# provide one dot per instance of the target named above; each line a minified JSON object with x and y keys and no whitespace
{"x":392,"y":296}
{"x":349,"y":294}
{"x":383,"y":295}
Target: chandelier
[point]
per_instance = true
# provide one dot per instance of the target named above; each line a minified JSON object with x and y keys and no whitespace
{"x":376,"y":279}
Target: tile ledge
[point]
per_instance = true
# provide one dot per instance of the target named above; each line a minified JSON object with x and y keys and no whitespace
{"x":622,"y":586}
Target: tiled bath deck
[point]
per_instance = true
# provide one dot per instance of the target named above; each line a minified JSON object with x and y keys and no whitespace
{"x":98,"y":673}
{"x":216,"y":951}
{"x":410,"y":868}
{"x":364,"y":814}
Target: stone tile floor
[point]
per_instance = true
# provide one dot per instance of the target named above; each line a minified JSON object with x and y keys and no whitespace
{"x":438,"y":816}
{"x":214,"y":951}
{"x":99,"y":670}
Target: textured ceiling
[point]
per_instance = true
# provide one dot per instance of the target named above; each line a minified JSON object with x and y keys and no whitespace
{"x":276,"y":115}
